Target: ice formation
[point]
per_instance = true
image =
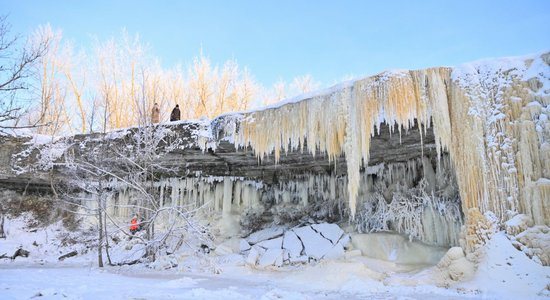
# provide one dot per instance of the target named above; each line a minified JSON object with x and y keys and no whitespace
{"x":492,"y":134}
{"x":392,"y":197}
{"x":275,"y":247}
{"x":491,"y":116}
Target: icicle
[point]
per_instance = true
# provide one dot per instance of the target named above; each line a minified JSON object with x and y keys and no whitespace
{"x":227,"y":195}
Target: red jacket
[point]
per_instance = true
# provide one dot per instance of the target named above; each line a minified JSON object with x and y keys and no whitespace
{"x":134,"y":225}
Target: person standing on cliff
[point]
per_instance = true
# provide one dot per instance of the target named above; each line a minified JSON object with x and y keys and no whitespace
{"x":175,"y":115}
{"x":155,"y":114}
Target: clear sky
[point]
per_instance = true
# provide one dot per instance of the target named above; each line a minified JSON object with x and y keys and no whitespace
{"x":286,"y":38}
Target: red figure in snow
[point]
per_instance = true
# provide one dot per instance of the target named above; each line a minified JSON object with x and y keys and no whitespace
{"x":134,"y":225}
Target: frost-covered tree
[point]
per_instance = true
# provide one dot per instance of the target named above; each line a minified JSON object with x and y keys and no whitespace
{"x":15,"y":69}
{"x":131,"y":166}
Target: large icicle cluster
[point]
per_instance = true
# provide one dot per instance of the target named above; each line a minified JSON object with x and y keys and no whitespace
{"x":413,"y":199}
{"x":343,"y":120}
{"x":384,"y":194}
{"x":490,"y":117}
{"x":501,"y":150}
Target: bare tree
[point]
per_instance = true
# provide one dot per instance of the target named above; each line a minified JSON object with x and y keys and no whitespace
{"x":15,"y":70}
{"x":76,"y":80}
{"x":52,"y":109}
{"x":132,"y":164}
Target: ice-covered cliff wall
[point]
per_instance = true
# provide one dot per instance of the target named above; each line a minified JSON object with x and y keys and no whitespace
{"x":491,"y":116}
{"x":380,"y":143}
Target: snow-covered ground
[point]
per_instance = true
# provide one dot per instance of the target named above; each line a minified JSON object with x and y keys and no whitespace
{"x":504,"y":273}
{"x":326,"y":281}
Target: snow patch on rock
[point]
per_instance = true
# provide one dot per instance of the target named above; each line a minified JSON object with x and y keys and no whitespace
{"x":535,"y":243}
{"x":518,"y":224}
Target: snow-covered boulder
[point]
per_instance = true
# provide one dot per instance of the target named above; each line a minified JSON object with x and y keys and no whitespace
{"x":276,"y":243}
{"x":265,"y":234}
{"x":315,"y":245}
{"x":253,"y":255}
{"x":518,"y":224}
{"x":244,"y":246}
{"x":229,"y":246}
{"x":271,"y":257}
{"x":535,"y":242}
{"x":292,"y":244}
{"x":337,"y":251}
{"x":275,"y":247}
{"x":453,"y":267}
{"x":331,"y":232}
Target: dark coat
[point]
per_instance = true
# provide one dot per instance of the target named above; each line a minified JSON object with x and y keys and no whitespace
{"x":175,"y":115}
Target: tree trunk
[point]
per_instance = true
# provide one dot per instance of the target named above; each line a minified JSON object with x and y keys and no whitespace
{"x":100,"y":238}
{"x":2,"y":233}
{"x":107,"y":241}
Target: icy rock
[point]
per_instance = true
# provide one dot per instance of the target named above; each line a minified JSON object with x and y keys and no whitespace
{"x":453,"y":254}
{"x":453,"y":267}
{"x":265,"y":234}
{"x":292,"y":244}
{"x":315,"y":245}
{"x":336,"y":252}
{"x":244,"y":245}
{"x":536,"y":243}
{"x":272,"y":257}
{"x":253,"y":256}
{"x":345,"y":241}
{"x":330,"y":231}
{"x":230,"y":246}
{"x":299,"y":259}
{"x":286,"y":255}
{"x":223,"y":250}
{"x":276,"y":243}
{"x":298,"y":245}
{"x":517,"y":224}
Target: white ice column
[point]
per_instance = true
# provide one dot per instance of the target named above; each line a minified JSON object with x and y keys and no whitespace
{"x":227,"y":196}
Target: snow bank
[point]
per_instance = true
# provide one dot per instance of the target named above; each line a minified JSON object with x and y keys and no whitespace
{"x":45,"y":245}
{"x":506,"y":273}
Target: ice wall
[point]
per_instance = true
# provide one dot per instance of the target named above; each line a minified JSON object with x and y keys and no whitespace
{"x":342,"y":121}
{"x":491,"y":116}
{"x":501,"y":144}
{"x":397,"y":197}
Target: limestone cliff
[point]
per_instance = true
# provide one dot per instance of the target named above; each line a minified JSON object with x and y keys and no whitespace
{"x":371,"y":142}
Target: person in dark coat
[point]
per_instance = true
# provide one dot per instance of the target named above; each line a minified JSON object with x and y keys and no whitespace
{"x":175,"y":115}
{"x":155,"y":114}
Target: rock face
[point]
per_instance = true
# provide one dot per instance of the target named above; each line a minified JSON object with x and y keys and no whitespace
{"x":476,"y":135}
{"x":25,"y":164}
{"x":197,"y":163}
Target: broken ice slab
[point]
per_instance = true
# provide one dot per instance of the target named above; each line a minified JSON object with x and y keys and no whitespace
{"x":330,"y":231}
{"x":266,"y":234}
{"x":315,"y":245}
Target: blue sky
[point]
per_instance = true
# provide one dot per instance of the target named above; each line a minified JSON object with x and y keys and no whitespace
{"x":283,"y":39}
